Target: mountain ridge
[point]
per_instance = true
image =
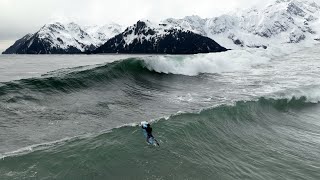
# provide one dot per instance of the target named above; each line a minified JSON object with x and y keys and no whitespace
{"x":67,"y":38}
{"x":146,"y":37}
{"x":283,"y":21}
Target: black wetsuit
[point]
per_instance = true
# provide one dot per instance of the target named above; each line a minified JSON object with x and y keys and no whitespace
{"x":149,"y":131}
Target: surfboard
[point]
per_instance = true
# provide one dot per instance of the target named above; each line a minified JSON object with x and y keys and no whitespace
{"x":151,"y":140}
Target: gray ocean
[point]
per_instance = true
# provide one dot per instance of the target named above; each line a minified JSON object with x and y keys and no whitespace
{"x":241,"y":114}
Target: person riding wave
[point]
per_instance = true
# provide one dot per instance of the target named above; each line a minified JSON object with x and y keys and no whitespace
{"x":148,"y":129}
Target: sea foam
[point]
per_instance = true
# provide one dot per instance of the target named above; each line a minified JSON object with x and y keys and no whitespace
{"x":192,"y":65}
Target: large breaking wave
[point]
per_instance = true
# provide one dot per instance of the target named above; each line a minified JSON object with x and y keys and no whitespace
{"x":236,"y":139}
{"x":70,"y":79}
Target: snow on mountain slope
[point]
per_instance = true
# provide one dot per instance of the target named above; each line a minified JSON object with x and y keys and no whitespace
{"x":101,"y":34}
{"x":147,"y":37}
{"x":58,"y":38}
{"x":71,"y":34}
{"x":284,"y":21}
{"x":192,"y":23}
{"x":65,"y":35}
{"x":145,"y":31}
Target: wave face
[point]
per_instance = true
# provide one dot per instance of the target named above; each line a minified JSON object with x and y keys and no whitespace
{"x":264,"y":139}
{"x":71,"y":79}
{"x":233,"y":115}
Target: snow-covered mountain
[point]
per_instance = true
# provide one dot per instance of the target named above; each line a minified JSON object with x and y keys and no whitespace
{"x":284,"y":21}
{"x":58,"y":38}
{"x":101,"y":34}
{"x":147,"y":37}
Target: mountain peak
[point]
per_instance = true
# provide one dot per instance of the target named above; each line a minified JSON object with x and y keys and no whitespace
{"x":60,"y":38}
{"x":140,"y":25}
{"x":147,"y":37}
{"x":52,"y":26}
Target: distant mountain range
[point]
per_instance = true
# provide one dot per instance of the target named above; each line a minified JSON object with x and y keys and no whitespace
{"x":284,"y":21}
{"x":58,"y":38}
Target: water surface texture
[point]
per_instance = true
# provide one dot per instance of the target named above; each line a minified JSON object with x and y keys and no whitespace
{"x":233,"y":115}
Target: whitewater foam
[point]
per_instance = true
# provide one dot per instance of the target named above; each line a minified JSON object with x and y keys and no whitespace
{"x":193,"y":65}
{"x":229,"y":61}
{"x":51,"y":144}
{"x":311,"y":93}
{"x":36,"y":147}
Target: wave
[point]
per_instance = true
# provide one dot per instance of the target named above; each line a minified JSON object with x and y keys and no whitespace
{"x":37,"y":147}
{"x":214,"y":63}
{"x":71,"y":79}
{"x":214,"y":143}
{"x":281,"y":105}
{"x":311,"y":93}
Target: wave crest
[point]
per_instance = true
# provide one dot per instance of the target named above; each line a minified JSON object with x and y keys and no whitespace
{"x":205,"y":63}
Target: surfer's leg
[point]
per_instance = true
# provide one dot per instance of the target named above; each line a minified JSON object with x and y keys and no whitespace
{"x":148,"y":137}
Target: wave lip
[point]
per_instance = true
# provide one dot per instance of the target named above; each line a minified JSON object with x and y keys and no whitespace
{"x":204,"y":63}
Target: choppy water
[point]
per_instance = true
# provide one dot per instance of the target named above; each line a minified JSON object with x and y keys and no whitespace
{"x":233,"y":115}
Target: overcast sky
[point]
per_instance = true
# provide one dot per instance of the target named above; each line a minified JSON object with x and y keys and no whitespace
{"x":19,"y":17}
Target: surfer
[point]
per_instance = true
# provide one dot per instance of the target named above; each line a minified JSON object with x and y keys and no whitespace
{"x":149,"y":136}
{"x":148,"y":129}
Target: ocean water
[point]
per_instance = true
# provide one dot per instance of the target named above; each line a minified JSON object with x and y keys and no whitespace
{"x":242,"y":114}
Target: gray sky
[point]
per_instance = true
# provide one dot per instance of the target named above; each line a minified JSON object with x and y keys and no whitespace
{"x":19,"y":17}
